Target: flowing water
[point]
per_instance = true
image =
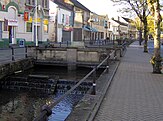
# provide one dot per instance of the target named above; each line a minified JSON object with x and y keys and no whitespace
{"x":26,"y":105}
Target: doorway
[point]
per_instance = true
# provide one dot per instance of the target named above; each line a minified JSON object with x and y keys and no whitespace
{"x":11,"y":34}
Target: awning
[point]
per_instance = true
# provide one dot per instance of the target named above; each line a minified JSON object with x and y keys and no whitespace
{"x":88,"y":28}
{"x":93,"y":29}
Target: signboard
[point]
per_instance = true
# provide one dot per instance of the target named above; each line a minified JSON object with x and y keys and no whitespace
{"x":46,"y":21}
{"x":26,"y":16}
{"x":68,"y":28}
{"x":12,"y":22}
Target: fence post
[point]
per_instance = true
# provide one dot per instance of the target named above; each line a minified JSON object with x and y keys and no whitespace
{"x":94,"y":83}
{"x":12,"y":49}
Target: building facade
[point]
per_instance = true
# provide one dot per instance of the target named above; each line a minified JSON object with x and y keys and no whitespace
{"x":100,"y":26}
{"x":81,"y":24}
{"x":61,"y":29}
{"x":25,"y":19}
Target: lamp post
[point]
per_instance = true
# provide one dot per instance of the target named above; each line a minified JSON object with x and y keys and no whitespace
{"x":34,"y":25}
{"x":91,"y":21}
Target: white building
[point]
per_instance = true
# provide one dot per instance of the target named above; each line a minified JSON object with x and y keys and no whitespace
{"x":61,"y":29}
{"x":25,"y":19}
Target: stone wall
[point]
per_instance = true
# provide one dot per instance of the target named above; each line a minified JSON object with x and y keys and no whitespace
{"x":10,"y":68}
{"x":69,"y":55}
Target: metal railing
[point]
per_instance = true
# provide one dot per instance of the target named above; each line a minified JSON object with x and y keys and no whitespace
{"x":12,"y":54}
{"x":47,"y":109}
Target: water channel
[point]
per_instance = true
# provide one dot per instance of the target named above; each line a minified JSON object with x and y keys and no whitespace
{"x":18,"y":105}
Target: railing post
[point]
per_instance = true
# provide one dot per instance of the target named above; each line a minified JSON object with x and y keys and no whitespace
{"x":12,"y":49}
{"x":115,"y":54}
{"x":25,"y":51}
{"x":36,"y":52}
{"x":67,"y":43}
{"x":59,"y":44}
{"x":120,"y":52}
{"x":94,"y":83}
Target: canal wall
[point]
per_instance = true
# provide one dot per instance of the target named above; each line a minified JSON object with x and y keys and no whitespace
{"x":69,"y":54}
{"x":15,"y":66}
{"x":71,"y":57}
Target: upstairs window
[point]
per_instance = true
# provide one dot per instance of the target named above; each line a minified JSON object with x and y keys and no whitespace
{"x":28,"y":1}
{"x":44,"y":3}
{"x":63,"y":18}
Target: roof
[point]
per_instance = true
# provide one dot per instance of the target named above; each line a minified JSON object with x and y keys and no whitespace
{"x":121,"y":23}
{"x":79,"y":5}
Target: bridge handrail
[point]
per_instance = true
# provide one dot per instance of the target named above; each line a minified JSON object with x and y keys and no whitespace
{"x":46,"y":110}
{"x":13,"y":54}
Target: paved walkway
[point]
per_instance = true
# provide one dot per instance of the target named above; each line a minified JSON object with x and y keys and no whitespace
{"x":136,"y":94}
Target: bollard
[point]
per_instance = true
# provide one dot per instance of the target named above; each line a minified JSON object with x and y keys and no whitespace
{"x":107,"y":68}
{"x":94,"y":83}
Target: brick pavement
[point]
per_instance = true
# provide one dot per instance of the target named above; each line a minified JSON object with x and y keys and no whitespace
{"x":136,"y":94}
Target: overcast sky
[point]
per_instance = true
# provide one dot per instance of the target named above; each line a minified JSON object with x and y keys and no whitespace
{"x":101,"y":7}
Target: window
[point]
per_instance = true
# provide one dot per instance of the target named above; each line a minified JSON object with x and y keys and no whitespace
{"x":46,"y":28}
{"x":28,"y":1}
{"x":63,"y":16}
{"x":33,"y":2}
{"x":45,"y":3}
{"x":5,"y":25}
{"x":28,"y":27}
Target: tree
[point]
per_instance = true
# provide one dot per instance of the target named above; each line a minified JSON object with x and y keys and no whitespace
{"x":140,"y":7}
{"x":138,"y":24}
{"x":156,"y":59}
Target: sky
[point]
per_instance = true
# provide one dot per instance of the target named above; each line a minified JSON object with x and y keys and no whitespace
{"x":101,"y":7}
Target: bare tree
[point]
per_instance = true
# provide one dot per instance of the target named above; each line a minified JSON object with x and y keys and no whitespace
{"x":140,"y":7}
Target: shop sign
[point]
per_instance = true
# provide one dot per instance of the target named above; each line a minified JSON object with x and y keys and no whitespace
{"x":46,"y":21}
{"x":68,"y":28}
{"x":26,"y":16}
{"x":30,"y":20}
{"x":37,"y":20}
{"x":12,"y":22}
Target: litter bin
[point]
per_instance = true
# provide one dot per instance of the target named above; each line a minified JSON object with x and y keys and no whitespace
{"x":21,"y":43}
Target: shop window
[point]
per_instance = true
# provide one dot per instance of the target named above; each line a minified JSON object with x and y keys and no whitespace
{"x":28,"y":27}
{"x":46,"y":28}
